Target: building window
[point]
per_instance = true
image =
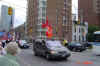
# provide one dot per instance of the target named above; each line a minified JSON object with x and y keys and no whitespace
{"x":75,"y":37}
{"x":43,"y":14}
{"x":79,"y":30}
{"x":75,"y":29}
{"x":44,"y":3}
{"x":43,"y":33}
{"x":64,"y":20}
{"x":43,"y":20}
{"x":43,"y":8}
{"x":79,"y":38}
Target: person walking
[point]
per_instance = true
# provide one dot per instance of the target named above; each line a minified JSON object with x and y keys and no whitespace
{"x":10,"y":58}
{"x":65,"y":42}
{"x":3,"y":43}
{"x":2,"y":50}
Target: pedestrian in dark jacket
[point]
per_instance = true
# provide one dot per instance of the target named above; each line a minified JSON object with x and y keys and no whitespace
{"x":3,"y":43}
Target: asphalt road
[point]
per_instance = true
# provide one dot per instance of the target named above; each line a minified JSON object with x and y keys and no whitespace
{"x":27,"y":58}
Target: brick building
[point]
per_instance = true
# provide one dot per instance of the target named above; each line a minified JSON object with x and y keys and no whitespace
{"x":90,"y":11}
{"x":59,"y":16}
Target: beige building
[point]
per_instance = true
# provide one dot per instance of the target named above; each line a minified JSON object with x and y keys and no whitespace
{"x":59,"y":16}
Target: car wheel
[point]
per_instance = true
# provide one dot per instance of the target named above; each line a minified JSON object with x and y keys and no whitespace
{"x":35,"y":53}
{"x":66,"y":58}
{"x":48,"y":57}
{"x":81,"y":50}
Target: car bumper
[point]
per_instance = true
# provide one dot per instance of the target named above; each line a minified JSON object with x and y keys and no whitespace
{"x":58,"y":56}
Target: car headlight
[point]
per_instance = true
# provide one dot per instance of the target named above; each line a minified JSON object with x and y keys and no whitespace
{"x":53,"y":52}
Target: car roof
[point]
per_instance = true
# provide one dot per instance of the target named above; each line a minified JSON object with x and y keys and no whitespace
{"x":39,"y":40}
{"x":75,"y":43}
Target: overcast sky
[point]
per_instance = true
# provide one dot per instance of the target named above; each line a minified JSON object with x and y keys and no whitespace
{"x":20,"y":9}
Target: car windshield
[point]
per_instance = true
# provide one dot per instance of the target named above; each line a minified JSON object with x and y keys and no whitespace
{"x":23,"y":41}
{"x":53,"y":43}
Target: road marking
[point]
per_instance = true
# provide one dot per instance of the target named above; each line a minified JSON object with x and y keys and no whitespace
{"x":78,"y":62}
{"x":87,"y":62}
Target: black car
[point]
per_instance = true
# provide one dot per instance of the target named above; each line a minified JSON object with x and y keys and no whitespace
{"x":88,"y":45}
{"x":77,"y":47}
{"x":50,"y":49}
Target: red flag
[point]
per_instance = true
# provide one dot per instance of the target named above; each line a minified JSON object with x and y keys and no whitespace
{"x":46,"y":24}
{"x":49,"y":28}
{"x":49,"y":32}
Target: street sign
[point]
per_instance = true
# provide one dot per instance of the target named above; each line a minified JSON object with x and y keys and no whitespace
{"x":10,"y":11}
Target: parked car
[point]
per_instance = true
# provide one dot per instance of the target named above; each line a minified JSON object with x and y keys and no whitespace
{"x":74,"y":46}
{"x":50,"y":49}
{"x":23,"y":44}
{"x":88,"y":45}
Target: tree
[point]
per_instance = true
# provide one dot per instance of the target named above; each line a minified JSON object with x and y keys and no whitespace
{"x":91,"y":30}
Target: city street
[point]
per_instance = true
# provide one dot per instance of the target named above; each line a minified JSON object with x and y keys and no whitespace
{"x":49,"y":25}
{"x":27,"y":58}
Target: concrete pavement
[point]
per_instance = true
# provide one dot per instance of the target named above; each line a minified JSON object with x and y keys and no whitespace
{"x":27,"y":58}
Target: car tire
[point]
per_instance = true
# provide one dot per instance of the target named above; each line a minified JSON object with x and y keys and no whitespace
{"x":48,"y":57}
{"x":81,"y":50}
{"x":66,"y":58}
{"x":35,"y":54}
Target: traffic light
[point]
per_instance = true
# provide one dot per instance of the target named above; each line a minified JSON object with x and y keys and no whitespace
{"x":10,"y":11}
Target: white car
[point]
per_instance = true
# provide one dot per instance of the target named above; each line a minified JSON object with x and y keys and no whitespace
{"x":23,"y":44}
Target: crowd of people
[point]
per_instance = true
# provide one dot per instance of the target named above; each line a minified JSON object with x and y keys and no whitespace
{"x":8,"y":52}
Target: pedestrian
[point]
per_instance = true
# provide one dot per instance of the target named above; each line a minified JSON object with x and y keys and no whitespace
{"x":65,"y":42}
{"x":3,"y":43}
{"x":2,"y":50}
{"x":7,"y":41}
{"x":10,"y":58}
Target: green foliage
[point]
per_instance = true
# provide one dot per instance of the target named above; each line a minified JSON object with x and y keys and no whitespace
{"x":90,"y":37}
{"x":91,"y":30}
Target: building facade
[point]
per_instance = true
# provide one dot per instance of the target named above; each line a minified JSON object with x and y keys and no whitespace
{"x":5,"y":19}
{"x":59,"y":17}
{"x":89,"y":11}
{"x":79,"y":30}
